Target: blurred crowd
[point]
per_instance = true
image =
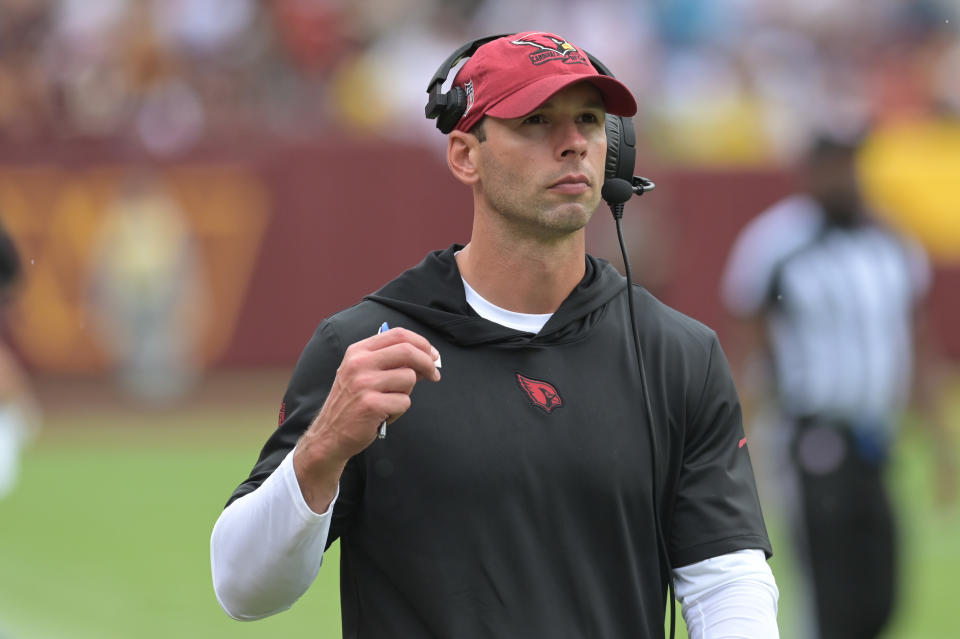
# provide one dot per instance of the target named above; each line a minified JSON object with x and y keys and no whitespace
{"x":739,"y":82}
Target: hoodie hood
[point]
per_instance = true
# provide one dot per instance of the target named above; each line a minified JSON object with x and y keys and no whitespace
{"x":432,"y":294}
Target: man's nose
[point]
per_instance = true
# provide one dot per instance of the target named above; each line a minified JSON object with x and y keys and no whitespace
{"x":571,"y":140}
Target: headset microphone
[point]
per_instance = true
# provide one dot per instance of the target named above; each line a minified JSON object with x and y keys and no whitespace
{"x":616,"y":191}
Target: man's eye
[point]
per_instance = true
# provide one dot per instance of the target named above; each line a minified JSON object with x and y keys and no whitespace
{"x":590,"y":117}
{"x":535,"y":119}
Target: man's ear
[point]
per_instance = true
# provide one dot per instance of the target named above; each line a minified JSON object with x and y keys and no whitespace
{"x":462,"y":151}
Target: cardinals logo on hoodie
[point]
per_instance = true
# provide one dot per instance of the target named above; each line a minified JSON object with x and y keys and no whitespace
{"x":543,"y":395}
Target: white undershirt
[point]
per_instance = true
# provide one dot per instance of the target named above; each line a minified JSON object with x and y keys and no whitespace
{"x":267,"y":547}
{"x":529,"y":322}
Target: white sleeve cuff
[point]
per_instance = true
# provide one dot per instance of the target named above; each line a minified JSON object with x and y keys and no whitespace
{"x":289,"y":477}
{"x":732,"y":595}
{"x":267,"y":547}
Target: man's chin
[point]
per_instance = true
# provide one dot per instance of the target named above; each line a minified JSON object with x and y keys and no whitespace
{"x":570,"y":217}
{"x":583,"y":207}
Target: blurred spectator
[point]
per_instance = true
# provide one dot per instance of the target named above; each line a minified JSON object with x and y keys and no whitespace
{"x":909,"y":168}
{"x":313,"y":32}
{"x":833,"y":297}
{"x":147,"y":292}
{"x":18,"y":408}
{"x":24,"y":98}
{"x":722,"y":82}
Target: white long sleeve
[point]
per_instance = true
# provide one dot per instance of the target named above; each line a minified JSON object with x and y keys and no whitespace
{"x":267,"y":547}
{"x":732,"y":596}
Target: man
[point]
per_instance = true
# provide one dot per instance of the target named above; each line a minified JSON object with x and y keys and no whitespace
{"x":513,"y":496}
{"x":833,"y":294}
{"x":19,"y":413}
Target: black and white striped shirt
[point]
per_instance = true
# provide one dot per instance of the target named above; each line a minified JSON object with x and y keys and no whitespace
{"x":840,"y":303}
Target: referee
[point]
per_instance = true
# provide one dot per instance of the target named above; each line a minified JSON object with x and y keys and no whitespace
{"x":834,"y":294}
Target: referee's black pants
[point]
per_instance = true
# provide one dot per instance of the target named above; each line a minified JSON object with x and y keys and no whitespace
{"x":848,"y":530}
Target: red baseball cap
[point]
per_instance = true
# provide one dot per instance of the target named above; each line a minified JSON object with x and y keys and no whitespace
{"x":512,"y":76}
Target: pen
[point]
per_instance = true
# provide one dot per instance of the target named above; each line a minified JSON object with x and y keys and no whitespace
{"x":382,"y":433}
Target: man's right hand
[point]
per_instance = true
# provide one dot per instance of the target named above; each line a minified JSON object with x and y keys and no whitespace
{"x":372,"y":385}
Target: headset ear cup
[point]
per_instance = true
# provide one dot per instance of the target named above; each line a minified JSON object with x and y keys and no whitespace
{"x":613,"y":147}
{"x":621,"y":148}
{"x":453,"y":110}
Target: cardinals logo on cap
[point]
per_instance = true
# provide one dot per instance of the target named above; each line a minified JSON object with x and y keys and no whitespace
{"x":549,"y":48}
{"x":542,"y":394}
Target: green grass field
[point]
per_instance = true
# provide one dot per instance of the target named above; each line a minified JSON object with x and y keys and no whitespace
{"x":107,"y":534}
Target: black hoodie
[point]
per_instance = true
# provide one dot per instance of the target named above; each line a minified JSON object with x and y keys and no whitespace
{"x":515,"y":497}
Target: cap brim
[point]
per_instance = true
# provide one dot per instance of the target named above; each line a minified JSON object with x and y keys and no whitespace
{"x":617,"y":98}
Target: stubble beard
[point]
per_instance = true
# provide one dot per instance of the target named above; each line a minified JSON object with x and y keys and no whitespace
{"x":544,"y":217}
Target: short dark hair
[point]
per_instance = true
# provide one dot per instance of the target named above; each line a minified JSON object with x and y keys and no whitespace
{"x":478,"y":131}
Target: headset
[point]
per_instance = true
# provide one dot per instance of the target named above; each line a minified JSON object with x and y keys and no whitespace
{"x":619,"y":185}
